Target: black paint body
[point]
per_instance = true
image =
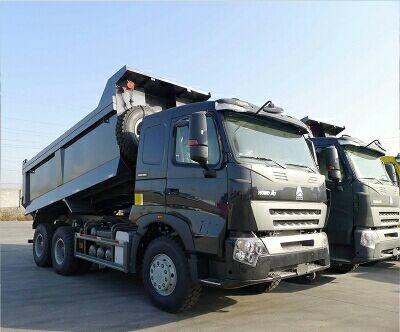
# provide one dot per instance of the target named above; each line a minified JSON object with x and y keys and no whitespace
{"x":351,"y":203}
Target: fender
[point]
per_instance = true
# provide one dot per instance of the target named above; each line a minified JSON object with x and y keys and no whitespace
{"x":178,"y":224}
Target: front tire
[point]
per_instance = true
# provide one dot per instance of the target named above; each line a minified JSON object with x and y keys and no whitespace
{"x":166,"y":276}
{"x":42,"y":244}
{"x":62,"y":251}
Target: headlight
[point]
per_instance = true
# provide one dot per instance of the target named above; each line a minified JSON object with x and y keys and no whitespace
{"x":369,"y":239}
{"x":248,"y":250}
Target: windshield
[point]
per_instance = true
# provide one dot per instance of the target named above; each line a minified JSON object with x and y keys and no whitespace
{"x":367,"y":165}
{"x":267,"y":142}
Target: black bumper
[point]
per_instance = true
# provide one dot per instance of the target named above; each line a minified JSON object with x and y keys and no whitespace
{"x":232,"y":274}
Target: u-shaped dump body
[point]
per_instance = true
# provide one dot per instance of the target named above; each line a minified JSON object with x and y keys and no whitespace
{"x":86,"y":159}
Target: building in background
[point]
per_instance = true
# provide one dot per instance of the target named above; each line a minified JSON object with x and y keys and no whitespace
{"x":10,"y":196}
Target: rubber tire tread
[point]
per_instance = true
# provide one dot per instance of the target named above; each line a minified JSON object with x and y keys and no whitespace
{"x":47,"y":231}
{"x":186,"y":293}
{"x":70,"y":264}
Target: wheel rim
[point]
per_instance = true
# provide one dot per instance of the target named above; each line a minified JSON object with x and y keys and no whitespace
{"x":39,"y":245}
{"x":138,"y":127}
{"x":163,"y":274}
{"x":59,"y":251}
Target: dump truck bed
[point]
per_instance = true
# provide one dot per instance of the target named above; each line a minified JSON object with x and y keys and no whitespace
{"x":86,"y":159}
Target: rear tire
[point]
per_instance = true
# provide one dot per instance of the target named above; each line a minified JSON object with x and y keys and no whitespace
{"x":42,"y":244}
{"x":62,"y":251}
{"x":170,"y":287}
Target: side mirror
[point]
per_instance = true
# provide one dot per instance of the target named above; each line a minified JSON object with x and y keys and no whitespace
{"x":391,"y":172}
{"x":332,"y":164}
{"x":198,"y":140}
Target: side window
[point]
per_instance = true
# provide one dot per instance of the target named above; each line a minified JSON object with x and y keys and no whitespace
{"x":182,"y":154}
{"x":153,"y":145}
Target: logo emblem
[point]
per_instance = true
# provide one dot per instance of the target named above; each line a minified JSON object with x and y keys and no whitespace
{"x":390,"y":200}
{"x":299,"y":194}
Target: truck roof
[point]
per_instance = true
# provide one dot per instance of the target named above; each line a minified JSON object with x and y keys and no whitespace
{"x":374,"y":146}
{"x":326,"y":133}
{"x":239,"y":106}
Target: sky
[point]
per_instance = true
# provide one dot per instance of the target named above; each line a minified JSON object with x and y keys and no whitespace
{"x":333,"y":61}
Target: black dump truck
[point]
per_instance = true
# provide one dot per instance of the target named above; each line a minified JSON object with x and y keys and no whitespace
{"x":186,"y":192}
{"x":364,"y":217}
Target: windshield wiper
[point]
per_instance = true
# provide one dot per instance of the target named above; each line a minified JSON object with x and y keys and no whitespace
{"x":302,"y":166}
{"x":261,"y":158}
{"x":379,"y":181}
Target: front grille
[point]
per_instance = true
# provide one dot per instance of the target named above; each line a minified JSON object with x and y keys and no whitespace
{"x":313,"y":179}
{"x":296,"y":223}
{"x":291,"y":212}
{"x":390,"y":213}
{"x":389,"y":220}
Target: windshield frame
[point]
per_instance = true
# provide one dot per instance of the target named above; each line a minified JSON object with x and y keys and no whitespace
{"x":274,"y":163}
{"x":354,"y":167}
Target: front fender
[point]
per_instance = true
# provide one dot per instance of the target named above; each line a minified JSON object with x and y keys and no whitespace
{"x":178,"y":224}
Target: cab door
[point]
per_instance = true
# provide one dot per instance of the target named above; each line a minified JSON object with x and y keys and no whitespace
{"x":198,"y":196}
{"x":340,"y":223}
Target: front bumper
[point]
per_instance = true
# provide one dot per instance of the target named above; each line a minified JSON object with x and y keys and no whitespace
{"x":274,"y":266}
{"x":383,"y":243}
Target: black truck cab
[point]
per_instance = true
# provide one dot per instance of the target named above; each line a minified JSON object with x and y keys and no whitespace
{"x":273,"y":201}
{"x":364,"y":216}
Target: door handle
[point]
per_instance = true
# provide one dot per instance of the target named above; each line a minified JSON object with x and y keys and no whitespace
{"x":172,"y":191}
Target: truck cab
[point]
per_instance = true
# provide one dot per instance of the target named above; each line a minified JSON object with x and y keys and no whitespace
{"x":255,"y":203}
{"x":363,"y":224}
{"x":161,"y":181}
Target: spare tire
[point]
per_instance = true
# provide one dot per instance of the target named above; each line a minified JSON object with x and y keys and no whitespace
{"x":127,"y":131}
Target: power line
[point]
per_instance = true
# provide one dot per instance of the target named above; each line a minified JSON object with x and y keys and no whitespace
{"x":22,"y":140}
{"x":34,"y":121}
{"x":21,"y":147}
{"x":24,"y":131}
